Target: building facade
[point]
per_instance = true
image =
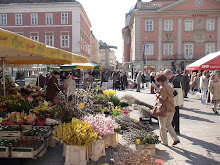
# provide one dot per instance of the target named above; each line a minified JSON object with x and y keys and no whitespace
{"x":176,"y":32}
{"x":63,"y":25}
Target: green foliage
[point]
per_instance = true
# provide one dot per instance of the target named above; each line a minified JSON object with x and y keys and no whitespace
{"x":114,"y":99}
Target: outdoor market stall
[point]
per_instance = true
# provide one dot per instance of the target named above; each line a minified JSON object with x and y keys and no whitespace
{"x":17,"y":49}
{"x":209,"y":62}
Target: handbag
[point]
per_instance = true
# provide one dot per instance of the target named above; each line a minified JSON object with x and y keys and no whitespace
{"x":160,"y":109}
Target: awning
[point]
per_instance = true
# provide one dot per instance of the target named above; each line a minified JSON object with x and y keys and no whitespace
{"x":17,"y":49}
{"x":89,"y":65}
{"x":209,"y":62}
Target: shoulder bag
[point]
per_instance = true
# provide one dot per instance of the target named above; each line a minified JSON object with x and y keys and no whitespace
{"x":160,"y":109}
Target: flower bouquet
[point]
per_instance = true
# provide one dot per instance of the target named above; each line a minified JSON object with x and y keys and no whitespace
{"x":75,"y":133}
{"x":104,"y":126}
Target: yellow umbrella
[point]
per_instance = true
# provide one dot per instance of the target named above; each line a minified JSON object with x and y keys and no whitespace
{"x":17,"y":49}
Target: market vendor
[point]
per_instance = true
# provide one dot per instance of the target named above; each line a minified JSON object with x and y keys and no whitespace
{"x":53,"y":87}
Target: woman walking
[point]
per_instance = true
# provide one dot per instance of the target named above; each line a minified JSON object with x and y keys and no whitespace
{"x":214,"y":88}
{"x":204,"y":86}
{"x":152,"y":80}
{"x":165,"y":94}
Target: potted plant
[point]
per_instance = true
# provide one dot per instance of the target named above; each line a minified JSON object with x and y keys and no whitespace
{"x":145,"y":141}
{"x":105,"y":127}
{"x":76,"y":136}
{"x":27,"y":147}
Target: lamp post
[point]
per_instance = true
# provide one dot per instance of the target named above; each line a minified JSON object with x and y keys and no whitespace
{"x":144,"y":49}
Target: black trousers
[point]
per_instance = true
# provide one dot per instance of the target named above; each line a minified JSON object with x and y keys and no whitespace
{"x":176,"y":120}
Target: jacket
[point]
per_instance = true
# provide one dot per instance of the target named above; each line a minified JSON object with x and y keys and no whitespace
{"x":139,"y":79}
{"x":203,"y":82}
{"x":52,"y":88}
{"x":214,"y":88}
{"x":166,"y":95}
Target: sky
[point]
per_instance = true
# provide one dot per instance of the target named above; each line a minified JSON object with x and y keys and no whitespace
{"x":108,"y":19}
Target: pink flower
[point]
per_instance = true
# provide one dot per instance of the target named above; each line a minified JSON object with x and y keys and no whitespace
{"x":126,"y":112}
{"x":30,"y":98}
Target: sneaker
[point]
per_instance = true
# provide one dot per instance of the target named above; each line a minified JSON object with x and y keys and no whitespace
{"x":216,"y":112}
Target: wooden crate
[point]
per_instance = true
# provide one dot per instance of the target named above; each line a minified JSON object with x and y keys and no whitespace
{"x":10,"y":134}
{"x":64,"y":150}
{"x":52,"y":142}
{"x":96,"y":150}
{"x":148,"y":149}
{"x":41,"y":154}
{"x":4,"y":154}
{"x":76,"y":155}
{"x":112,"y":141}
{"x":27,"y":127}
{"x":30,"y":154}
{"x":47,"y":134}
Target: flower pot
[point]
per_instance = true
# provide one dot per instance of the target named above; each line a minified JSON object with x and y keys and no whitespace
{"x":5,"y":153}
{"x":76,"y":155}
{"x":96,"y":150}
{"x":41,"y":122}
{"x":148,"y":149}
{"x":112,"y":141}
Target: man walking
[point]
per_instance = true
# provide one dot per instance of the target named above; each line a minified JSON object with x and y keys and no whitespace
{"x":138,"y":81}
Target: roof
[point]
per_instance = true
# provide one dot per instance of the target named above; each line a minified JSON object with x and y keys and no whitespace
{"x":33,"y":1}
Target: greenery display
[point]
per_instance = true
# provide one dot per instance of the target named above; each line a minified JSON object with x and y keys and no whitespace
{"x":36,"y":132}
{"x":145,"y":137}
{"x":114,"y":99}
{"x":6,"y":143}
{"x":27,"y":142}
{"x":127,"y":122}
{"x":11,"y":128}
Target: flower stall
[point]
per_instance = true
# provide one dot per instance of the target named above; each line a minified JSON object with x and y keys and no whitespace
{"x":85,"y":123}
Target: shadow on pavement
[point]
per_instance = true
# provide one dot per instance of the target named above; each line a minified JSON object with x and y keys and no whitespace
{"x":195,"y":118}
{"x":198,"y":111}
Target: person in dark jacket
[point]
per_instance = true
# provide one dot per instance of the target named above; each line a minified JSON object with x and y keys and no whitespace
{"x":185,"y":84}
{"x":42,"y":80}
{"x":124,"y":81}
{"x":53,"y":87}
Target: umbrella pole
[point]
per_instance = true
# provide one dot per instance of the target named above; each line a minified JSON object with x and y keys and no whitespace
{"x":3,"y":74}
{"x":38,"y":77}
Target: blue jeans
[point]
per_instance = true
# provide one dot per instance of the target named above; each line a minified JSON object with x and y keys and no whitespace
{"x":203,"y":97}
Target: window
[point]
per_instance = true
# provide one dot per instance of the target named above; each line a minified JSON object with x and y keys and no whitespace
{"x":64,"y":41}
{"x":49,"y":39}
{"x":188,"y":49}
{"x":64,"y":18}
{"x":168,"y":25}
{"x":49,"y":18}
{"x":34,"y":36}
{"x":168,"y":49}
{"x":210,"y":24}
{"x":149,"y":50}
{"x":4,"y":19}
{"x":209,"y":48}
{"x":188,"y":25}
{"x":149,"y":25}
{"x":18,"y":19}
{"x":34,"y":19}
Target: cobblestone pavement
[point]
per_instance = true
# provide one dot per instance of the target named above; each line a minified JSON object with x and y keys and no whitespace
{"x":199,"y":128}
{"x":200,"y":137}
